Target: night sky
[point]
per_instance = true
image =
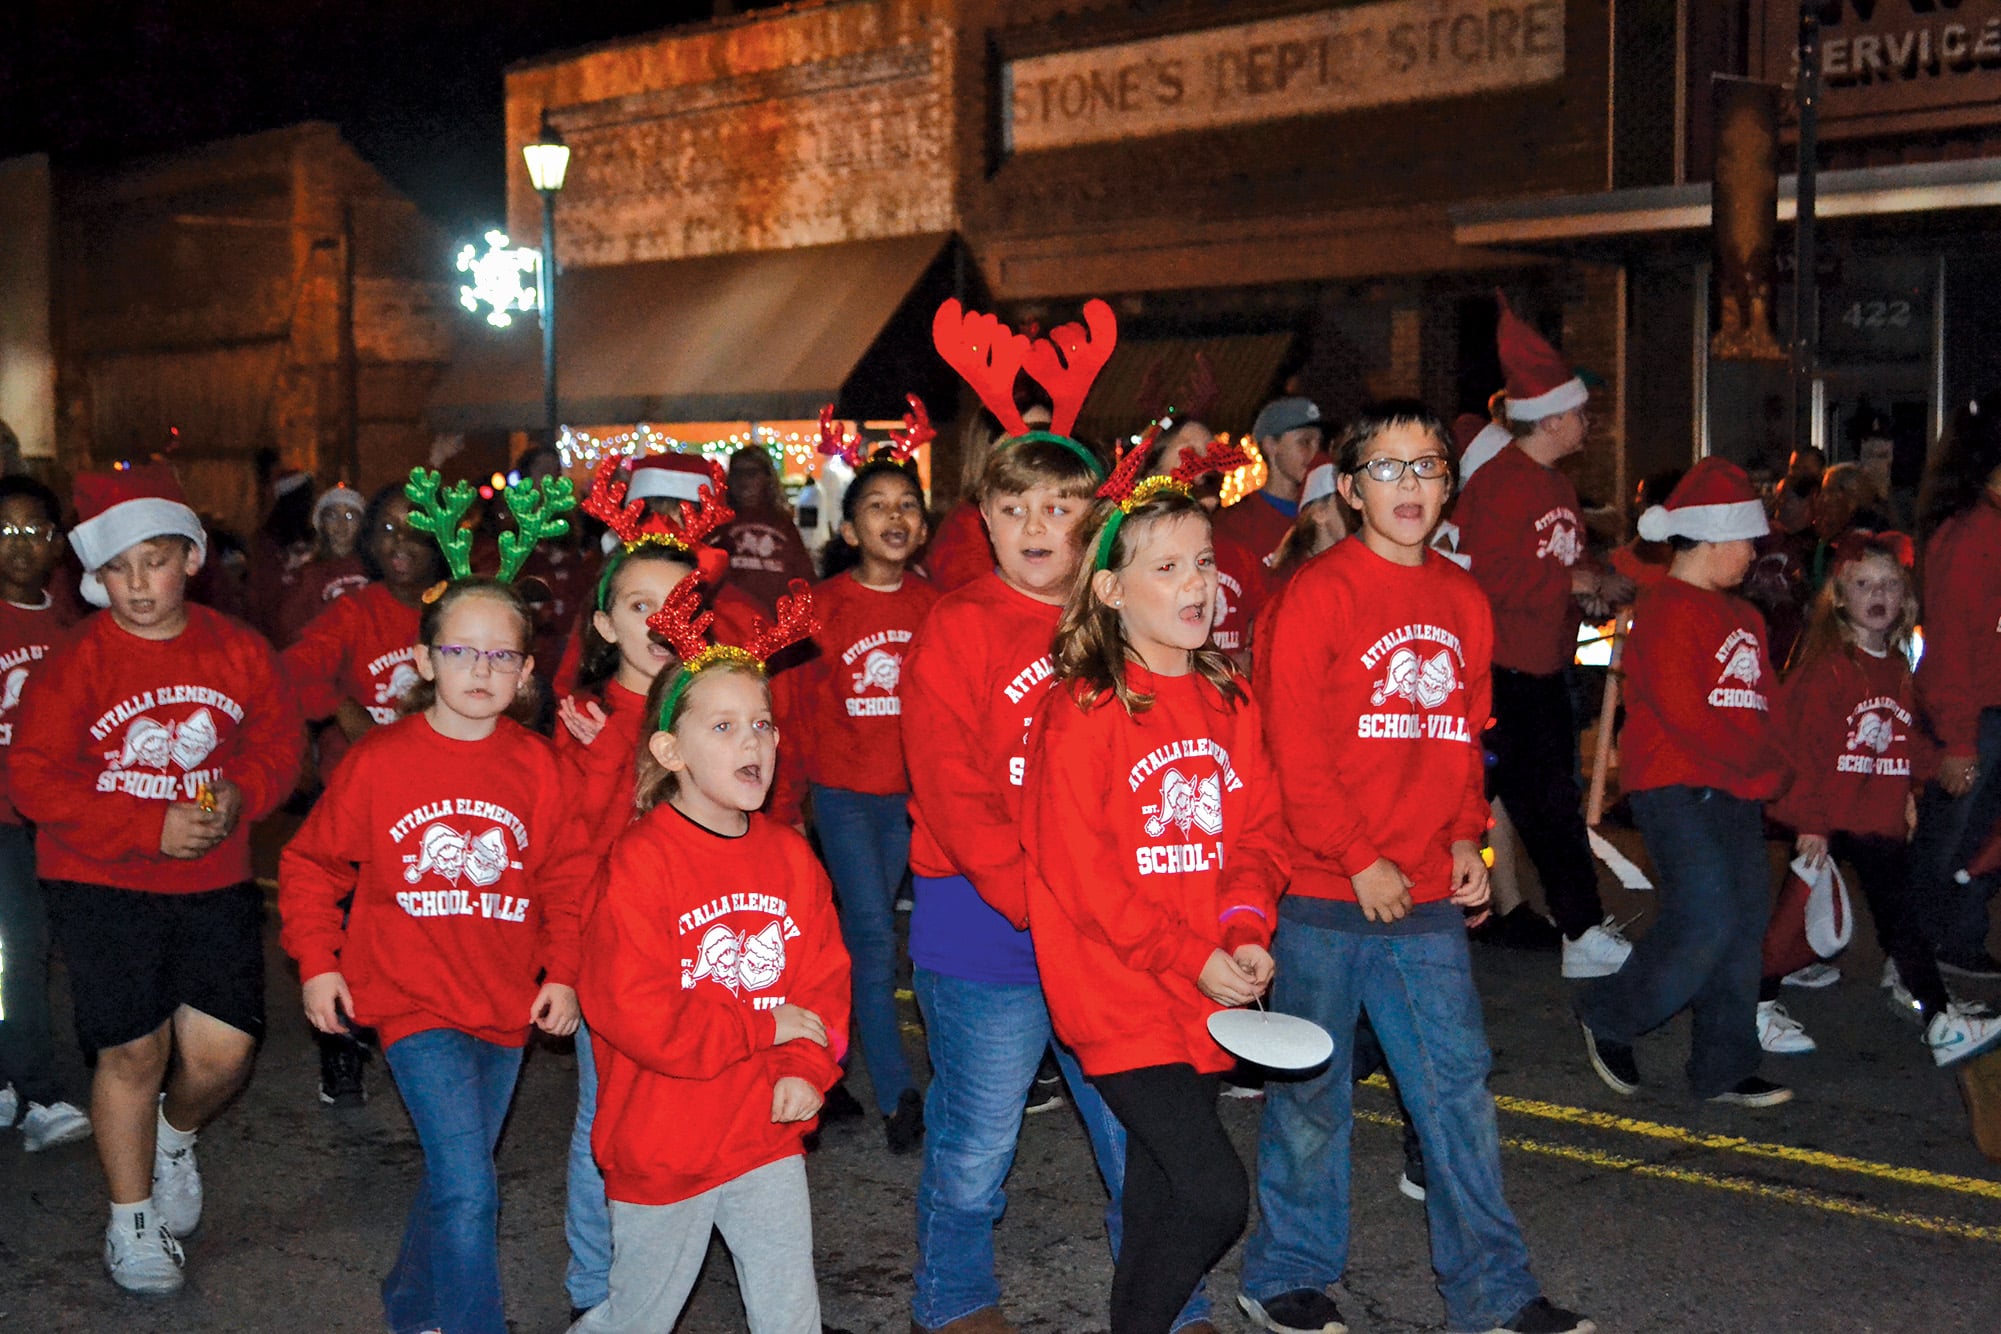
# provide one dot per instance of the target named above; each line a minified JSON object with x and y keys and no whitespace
{"x":415,"y":85}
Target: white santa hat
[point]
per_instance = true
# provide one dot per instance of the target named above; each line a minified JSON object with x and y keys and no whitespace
{"x":1319,"y":479}
{"x":1714,"y":502}
{"x":1540,"y":382}
{"x":116,"y":511}
{"x":674,"y":476}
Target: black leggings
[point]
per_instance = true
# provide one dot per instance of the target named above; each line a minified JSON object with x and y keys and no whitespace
{"x":1535,"y":776}
{"x":1883,"y":873}
{"x":1186,"y":1196}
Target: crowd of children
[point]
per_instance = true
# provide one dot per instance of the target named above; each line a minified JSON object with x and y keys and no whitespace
{"x":1059,"y":718}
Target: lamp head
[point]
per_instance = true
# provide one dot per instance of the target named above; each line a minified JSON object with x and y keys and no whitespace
{"x":548,"y":160}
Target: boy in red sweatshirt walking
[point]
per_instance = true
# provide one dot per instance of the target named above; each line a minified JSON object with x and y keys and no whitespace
{"x":1381,"y":649}
{"x":144,"y":750}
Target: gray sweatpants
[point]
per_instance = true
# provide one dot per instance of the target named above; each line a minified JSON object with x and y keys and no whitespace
{"x":657,"y":1252}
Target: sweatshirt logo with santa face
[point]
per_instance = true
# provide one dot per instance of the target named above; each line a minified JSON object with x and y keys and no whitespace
{"x":1743,"y":663}
{"x":741,"y":959}
{"x":1229,"y":598}
{"x":1422,"y":666}
{"x":1188,"y":801}
{"x":17,"y":665}
{"x":1874,"y":726}
{"x":1557,"y":536}
{"x":874,"y":665}
{"x":159,"y":745}
{"x":393,"y":674}
{"x":449,"y":848}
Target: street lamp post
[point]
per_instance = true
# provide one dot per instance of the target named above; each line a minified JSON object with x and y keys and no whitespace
{"x":548,"y":160}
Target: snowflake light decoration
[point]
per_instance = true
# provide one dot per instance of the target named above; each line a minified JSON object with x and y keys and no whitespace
{"x":505,"y":278}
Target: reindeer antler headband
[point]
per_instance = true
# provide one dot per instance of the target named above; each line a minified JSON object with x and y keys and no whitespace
{"x":1130,"y":490}
{"x":635,"y":526}
{"x":681,"y":622}
{"x":537,"y":508}
{"x":847,"y":446}
{"x":1065,"y":362}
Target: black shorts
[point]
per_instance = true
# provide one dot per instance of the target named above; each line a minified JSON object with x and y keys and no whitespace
{"x":134,"y":958}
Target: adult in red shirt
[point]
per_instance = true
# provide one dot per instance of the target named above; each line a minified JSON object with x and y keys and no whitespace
{"x":766,"y":551}
{"x":1288,"y":432}
{"x":1521,"y":530}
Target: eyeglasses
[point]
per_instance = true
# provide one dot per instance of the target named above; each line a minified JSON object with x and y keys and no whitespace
{"x":505,"y":661}
{"x":34,"y":532}
{"x":1429,"y":468}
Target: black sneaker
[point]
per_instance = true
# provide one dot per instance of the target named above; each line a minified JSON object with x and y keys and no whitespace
{"x":1981,"y":967}
{"x":1301,"y":1311}
{"x":1524,"y":928}
{"x":840,"y":1105}
{"x":905,"y":1126}
{"x":1046,"y":1093}
{"x":1755,"y":1092}
{"x":1412,"y":1183}
{"x":1613,"y":1061}
{"x":1540,"y":1317}
{"x":341,"y":1082}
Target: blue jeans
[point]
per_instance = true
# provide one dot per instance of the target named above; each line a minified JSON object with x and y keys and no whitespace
{"x":867,"y":842}
{"x":1950,"y":831}
{"x":1418,"y":993}
{"x":27,"y":1049}
{"x":1703,"y":952}
{"x":986,"y":1040}
{"x":586,"y":1216}
{"x":456,"y":1088}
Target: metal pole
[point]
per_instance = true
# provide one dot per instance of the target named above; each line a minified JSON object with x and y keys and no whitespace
{"x":549,"y":420}
{"x":1806,"y":295}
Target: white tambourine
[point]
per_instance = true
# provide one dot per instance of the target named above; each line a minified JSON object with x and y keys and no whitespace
{"x":1275,"y":1041}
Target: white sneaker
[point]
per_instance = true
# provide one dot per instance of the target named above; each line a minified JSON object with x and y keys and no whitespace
{"x":144,"y":1259}
{"x":1780,"y":1033}
{"x":1901,"y":1000}
{"x":10,"y":1106}
{"x":1600,"y":952}
{"x":57,"y":1123}
{"x":177,"y":1195}
{"x":1813,"y":977}
{"x":1961,"y":1031}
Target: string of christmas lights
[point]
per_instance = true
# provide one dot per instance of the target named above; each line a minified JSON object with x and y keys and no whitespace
{"x":790,"y":450}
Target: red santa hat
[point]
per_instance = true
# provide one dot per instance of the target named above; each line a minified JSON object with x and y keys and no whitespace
{"x":116,"y":511}
{"x":1540,"y":382}
{"x":1714,"y":502}
{"x":673,"y":476}
{"x":1319,"y":479}
{"x":1476,"y":440}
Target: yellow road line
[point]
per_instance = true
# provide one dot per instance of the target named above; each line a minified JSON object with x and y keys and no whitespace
{"x":1800,"y":1195}
{"x":1834,"y":1162}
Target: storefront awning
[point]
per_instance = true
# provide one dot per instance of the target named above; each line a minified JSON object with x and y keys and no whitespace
{"x":1142,"y":371}
{"x":1554,"y":221}
{"x":772,"y":334}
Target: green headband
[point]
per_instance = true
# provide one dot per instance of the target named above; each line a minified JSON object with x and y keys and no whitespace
{"x":708,"y":657}
{"x":1147,"y":489}
{"x":1050,"y":437}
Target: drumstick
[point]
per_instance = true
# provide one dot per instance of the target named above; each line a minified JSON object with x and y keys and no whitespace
{"x":1601,"y":760}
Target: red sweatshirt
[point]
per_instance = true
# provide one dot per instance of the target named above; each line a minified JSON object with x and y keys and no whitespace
{"x":971,"y":683}
{"x":466,"y":864}
{"x":845,"y":724}
{"x":694,"y":941}
{"x":1696,"y":695}
{"x":1518,"y":523}
{"x":319,"y":583}
{"x":1846,"y":724}
{"x":959,"y":551}
{"x":1958,"y":675}
{"x":363,"y":647}
{"x":115,"y":728}
{"x":735,"y":614}
{"x":1379,"y":693}
{"x":1153,"y":841}
{"x":27,"y":636}
{"x":598,"y":779}
{"x":1256,"y":524}
{"x":1242,"y":584}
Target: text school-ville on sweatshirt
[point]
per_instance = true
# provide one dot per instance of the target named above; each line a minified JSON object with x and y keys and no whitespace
{"x":694,"y":940}
{"x":114,"y":728}
{"x":28,"y":635}
{"x":1379,"y":690}
{"x":1698,"y":708}
{"x":1847,"y":727}
{"x":467,"y":866}
{"x":1518,"y":524}
{"x":1153,"y":841}
{"x":971,"y":684}
{"x":1960,"y":673}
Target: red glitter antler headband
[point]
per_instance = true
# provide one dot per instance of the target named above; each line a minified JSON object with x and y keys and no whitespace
{"x":681,"y":622}
{"x":1130,"y":490}
{"x":635,"y":525}
{"x":917,"y":431}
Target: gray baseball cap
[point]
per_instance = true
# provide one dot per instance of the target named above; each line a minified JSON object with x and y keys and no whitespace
{"x":1285,"y":414}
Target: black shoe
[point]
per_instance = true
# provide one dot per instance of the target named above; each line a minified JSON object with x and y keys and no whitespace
{"x":1524,"y":928}
{"x":341,"y":1082}
{"x":1981,"y":967}
{"x":1754,"y":1092}
{"x":1046,"y":1093}
{"x":1302,"y":1311}
{"x":840,"y":1105}
{"x":1540,"y":1317}
{"x":904,"y":1127}
{"x":1613,"y":1061}
{"x":579,"y":1312}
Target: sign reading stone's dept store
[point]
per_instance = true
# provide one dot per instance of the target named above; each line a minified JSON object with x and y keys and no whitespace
{"x":1311,"y":64}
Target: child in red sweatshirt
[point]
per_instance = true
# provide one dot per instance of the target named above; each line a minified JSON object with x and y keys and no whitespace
{"x":1698,"y":762}
{"x":1847,"y":723}
{"x":1151,"y":912}
{"x":143,"y":750}
{"x":1379,"y":655}
{"x":717,"y":991}
{"x":465,"y":863}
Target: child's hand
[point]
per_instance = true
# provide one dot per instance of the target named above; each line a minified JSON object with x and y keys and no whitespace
{"x":1227,"y":982}
{"x":1956,"y":774}
{"x":1383,"y":891}
{"x":326,"y":1000}
{"x":1469,"y":879}
{"x":555,"y":1010}
{"x":1256,"y":960}
{"x":795,"y":1022}
{"x":793,"y":1099}
{"x":584,"y":723}
{"x":1812,"y":847}
{"x":228,"y":804}
{"x":189,"y":831}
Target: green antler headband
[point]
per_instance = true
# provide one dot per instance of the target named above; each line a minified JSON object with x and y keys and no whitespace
{"x":537,"y":508}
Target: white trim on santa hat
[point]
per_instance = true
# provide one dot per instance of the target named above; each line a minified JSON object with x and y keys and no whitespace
{"x":1570,"y":394}
{"x":1737,"y":521}
{"x":125,"y":525}
{"x":1490,"y":440}
{"x":652,"y":480}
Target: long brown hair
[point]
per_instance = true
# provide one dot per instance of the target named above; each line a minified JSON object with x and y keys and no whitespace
{"x":1828,"y":629}
{"x":1091,"y":645}
{"x":430,"y":625}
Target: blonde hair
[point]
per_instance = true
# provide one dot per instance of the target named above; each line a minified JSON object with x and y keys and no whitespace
{"x":654,"y":782}
{"x":1828,"y":629}
{"x":1014,"y":470}
{"x":431,"y":624}
{"x":1091,"y":645}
